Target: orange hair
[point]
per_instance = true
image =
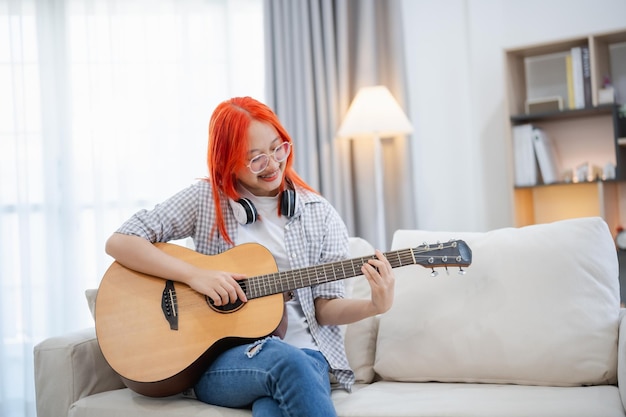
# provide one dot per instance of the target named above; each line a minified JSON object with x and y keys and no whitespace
{"x":228,"y":150}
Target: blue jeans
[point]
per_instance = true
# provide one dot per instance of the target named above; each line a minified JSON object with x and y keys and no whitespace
{"x":272,"y":377}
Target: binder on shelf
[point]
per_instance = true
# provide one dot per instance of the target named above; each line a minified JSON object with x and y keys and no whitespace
{"x":547,"y":157}
{"x":524,"y":156}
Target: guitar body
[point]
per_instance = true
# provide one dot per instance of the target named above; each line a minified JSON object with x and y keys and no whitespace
{"x":140,"y":344}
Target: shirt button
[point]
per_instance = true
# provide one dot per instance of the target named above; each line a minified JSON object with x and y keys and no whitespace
{"x":294,"y":255}
{"x":287,"y":227}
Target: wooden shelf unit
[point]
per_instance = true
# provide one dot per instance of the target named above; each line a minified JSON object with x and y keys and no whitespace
{"x":588,"y":135}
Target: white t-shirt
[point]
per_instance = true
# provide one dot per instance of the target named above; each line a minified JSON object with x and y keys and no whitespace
{"x":268,"y":231}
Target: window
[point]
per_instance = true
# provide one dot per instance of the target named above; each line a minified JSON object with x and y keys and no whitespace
{"x":104,"y":110}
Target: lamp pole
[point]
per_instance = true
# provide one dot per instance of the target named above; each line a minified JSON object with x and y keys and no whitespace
{"x":380,"y":193}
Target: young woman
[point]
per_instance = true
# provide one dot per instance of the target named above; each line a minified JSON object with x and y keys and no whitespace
{"x":253,"y":194}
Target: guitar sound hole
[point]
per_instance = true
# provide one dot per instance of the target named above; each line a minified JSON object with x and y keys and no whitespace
{"x":228,"y":308}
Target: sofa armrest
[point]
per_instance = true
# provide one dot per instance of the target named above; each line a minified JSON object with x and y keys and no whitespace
{"x":68,"y":368}
{"x":621,"y":357}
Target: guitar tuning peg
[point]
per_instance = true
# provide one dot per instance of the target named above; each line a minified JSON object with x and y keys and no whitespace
{"x":461,"y":271}
{"x":434,"y":273}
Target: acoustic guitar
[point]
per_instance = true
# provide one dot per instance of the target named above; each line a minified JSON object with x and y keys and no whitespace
{"x":160,"y":335}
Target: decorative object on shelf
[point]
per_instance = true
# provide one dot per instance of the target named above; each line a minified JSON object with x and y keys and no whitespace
{"x":588,"y":172}
{"x":606,"y":94}
{"x":609,"y":171}
{"x":568,"y":176}
{"x":582,"y":172}
{"x":375,"y":114}
{"x":544,"y":105}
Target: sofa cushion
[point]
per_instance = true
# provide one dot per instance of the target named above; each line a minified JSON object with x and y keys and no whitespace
{"x":70,"y":367}
{"x":124,"y":402}
{"x":360,"y":337}
{"x":538,"y":306}
{"x":391,"y":399}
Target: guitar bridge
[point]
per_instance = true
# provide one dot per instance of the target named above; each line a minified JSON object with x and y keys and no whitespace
{"x":169,"y":304}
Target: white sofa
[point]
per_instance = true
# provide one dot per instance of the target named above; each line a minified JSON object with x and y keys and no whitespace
{"x":531,"y":329}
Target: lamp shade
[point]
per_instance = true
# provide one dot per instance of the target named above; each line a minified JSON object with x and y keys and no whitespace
{"x":374,"y":111}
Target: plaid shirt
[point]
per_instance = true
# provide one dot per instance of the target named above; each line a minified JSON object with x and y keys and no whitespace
{"x":314,"y":235}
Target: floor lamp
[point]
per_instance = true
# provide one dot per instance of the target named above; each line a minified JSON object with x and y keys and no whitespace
{"x":375,"y":114}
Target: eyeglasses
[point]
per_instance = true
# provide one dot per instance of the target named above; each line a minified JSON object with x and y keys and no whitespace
{"x":279,"y":154}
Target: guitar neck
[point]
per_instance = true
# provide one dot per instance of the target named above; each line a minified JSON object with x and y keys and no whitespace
{"x":280,"y":282}
{"x":425,"y":255}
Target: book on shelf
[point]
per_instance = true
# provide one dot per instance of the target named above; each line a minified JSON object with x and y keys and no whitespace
{"x":577,"y":76}
{"x":535,"y":156}
{"x":586,"y":67}
{"x":547,"y":157}
{"x":571,"y":100}
{"x":581,"y":76}
{"x":524,"y":156}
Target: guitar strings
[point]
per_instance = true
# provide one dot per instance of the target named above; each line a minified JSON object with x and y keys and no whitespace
{"x":269,"y":284}
{"x":281,"y":281}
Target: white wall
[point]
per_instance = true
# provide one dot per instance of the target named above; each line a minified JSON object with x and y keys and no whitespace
{"x":455,"y":65}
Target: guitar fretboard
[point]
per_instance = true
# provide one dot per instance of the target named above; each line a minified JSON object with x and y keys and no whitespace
{"x":280,"y":282}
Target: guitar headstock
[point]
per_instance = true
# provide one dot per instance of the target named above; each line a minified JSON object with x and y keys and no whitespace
{"x":443,"y":254}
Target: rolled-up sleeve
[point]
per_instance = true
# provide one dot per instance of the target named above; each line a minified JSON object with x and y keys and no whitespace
{"x":175,"y":218}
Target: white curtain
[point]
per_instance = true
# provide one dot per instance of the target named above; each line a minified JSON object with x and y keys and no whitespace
{"x":104,"y":109}
{"x":320,"y":52}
